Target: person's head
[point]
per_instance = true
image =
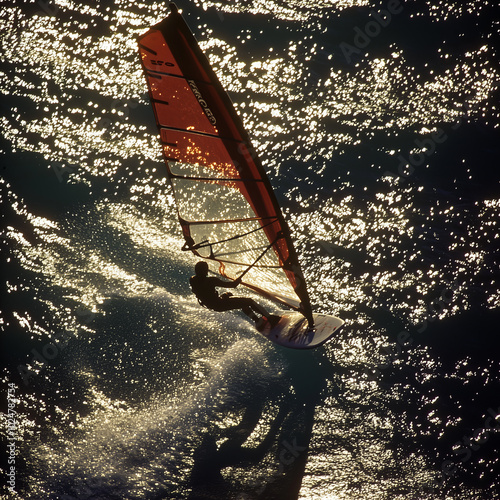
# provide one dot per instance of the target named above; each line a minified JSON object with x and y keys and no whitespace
{"x":201,"y":268}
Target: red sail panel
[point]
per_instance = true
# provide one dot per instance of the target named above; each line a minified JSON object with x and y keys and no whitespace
{"x":225,"y":202}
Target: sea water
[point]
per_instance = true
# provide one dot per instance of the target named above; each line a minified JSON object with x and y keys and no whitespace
{"x":377,"y":123}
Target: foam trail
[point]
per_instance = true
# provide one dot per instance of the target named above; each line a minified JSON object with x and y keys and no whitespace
{"x":123,"y":452}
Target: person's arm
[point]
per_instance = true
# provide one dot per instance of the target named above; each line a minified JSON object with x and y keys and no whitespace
{"x":227,"y":284}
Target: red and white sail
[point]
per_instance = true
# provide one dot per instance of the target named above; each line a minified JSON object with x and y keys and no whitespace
{"x":226,"y":206}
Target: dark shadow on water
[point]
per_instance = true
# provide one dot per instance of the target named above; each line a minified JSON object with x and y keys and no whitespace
{"x":287,"y":438}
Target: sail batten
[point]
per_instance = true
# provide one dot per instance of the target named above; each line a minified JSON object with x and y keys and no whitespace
{"x":151,"y":51}
{"x":163,"y":127}
{"x":224,"y":221}
{"x":173,"y":75}
{"x":225,"y":202}
{"x":214,"y":179}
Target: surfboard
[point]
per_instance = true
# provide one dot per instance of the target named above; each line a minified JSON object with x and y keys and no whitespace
{"x":292,"y":330}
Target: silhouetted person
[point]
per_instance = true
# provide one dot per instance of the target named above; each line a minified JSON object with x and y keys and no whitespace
{"x":205,"y":289}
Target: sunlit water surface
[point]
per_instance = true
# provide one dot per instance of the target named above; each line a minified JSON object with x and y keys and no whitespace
{"x":383,"y":153}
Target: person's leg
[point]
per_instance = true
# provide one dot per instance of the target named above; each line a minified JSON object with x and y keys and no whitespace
{"x":246,"y":304}
{"x":249,"y":307}
{"x":258,"y":308}
{"x":272,"y":318}
{"x":248,"y":311}
{"x":229,"y":303}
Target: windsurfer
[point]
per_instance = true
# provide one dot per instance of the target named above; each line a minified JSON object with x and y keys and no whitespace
{"x":204,"y":288}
